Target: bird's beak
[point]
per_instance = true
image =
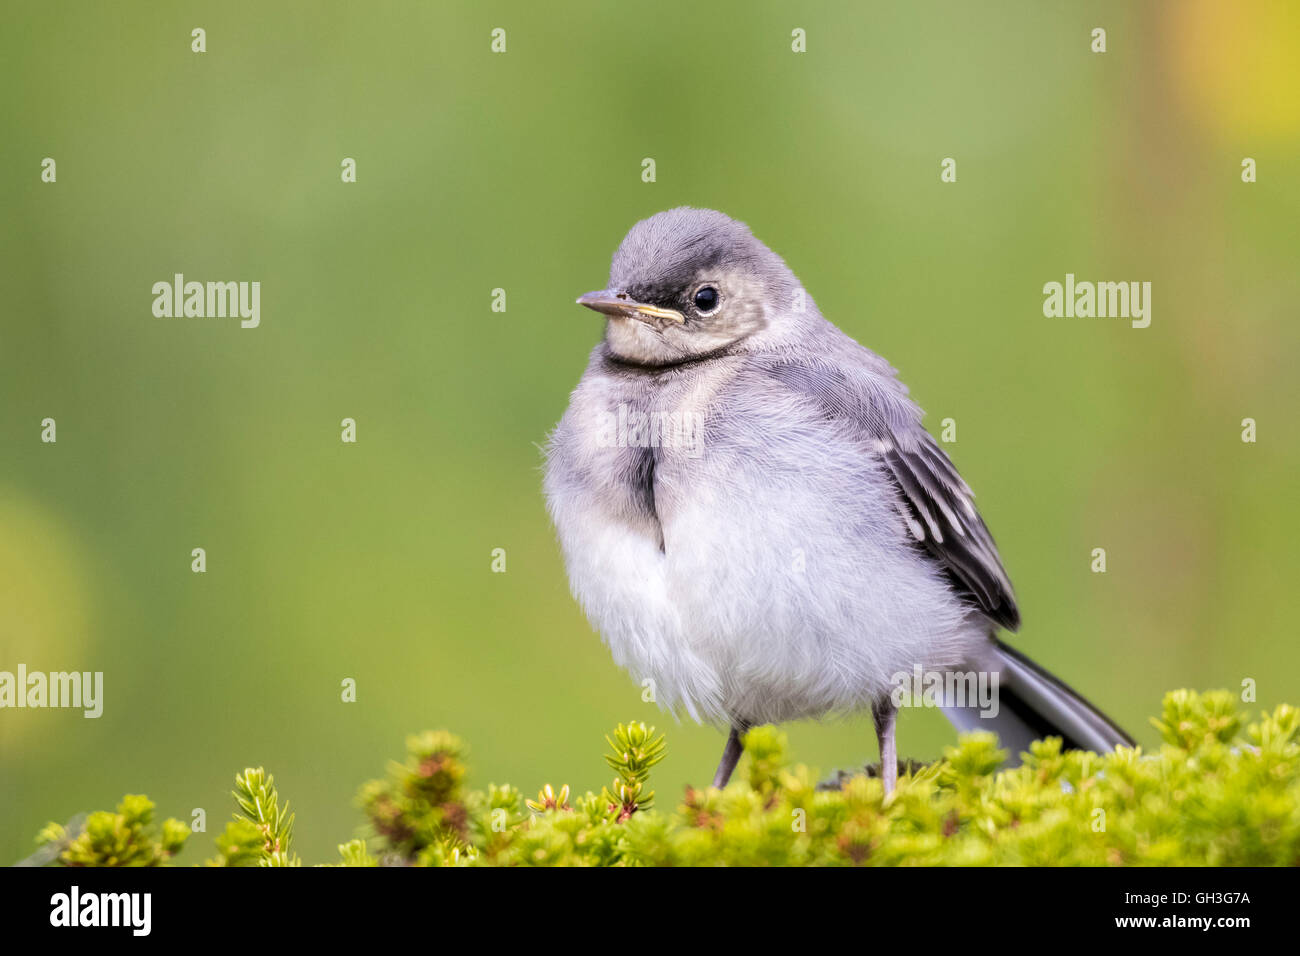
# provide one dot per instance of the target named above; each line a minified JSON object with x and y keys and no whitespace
{"x":610,"y":302}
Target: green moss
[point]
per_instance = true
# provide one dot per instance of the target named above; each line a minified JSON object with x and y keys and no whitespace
{"x":1210,"y":795}
{"x":127,"y":837}
{"x":262,"y":832}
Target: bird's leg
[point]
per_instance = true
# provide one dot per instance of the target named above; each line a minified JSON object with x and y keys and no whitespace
{"x":886,"y":714}
{"x":730,"y":754}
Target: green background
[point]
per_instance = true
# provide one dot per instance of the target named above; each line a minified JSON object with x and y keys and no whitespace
{"x":522,"y":171}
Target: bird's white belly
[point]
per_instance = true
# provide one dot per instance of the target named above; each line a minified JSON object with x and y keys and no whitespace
{"x":765,"y":608}
{"x":621,"y":579}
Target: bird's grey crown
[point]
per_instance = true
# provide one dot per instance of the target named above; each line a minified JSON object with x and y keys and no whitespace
{"x":665,"y":254}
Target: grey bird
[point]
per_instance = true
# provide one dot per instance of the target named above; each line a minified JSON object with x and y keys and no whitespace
{"x":754,"y":519}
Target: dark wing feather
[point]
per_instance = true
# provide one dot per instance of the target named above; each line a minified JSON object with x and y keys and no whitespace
{"x":936,"y":504}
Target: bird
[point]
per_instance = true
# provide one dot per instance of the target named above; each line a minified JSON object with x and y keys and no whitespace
{"x":754,"y":519}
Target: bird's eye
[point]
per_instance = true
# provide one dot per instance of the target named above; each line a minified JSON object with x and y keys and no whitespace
{"x":706,"y":299}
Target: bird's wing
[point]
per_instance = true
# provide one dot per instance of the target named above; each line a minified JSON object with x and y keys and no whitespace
{"x":935,"y":503}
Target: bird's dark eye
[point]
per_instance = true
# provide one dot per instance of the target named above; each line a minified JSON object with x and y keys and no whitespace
{"x":706,"y":299}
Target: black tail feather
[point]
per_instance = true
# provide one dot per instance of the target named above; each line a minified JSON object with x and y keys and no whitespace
{"x":1033,"y":704}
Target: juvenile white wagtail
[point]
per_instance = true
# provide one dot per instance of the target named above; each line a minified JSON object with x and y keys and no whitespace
{"x":809,"y":543}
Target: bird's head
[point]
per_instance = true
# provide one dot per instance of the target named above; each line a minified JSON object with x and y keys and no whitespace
{"x":687,"y":284}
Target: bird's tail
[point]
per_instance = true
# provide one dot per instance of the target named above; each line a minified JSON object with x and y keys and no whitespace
{"x":1032,"y":704}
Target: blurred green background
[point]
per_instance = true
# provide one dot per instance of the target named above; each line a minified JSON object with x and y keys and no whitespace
{"x":522,"y":171}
